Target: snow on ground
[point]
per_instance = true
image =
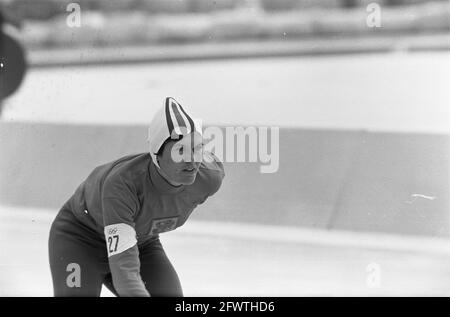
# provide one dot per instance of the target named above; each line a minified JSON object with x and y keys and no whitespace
{"x":387,"y":92}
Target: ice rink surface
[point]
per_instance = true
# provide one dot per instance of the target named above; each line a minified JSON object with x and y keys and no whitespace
{"x":226,"y":259}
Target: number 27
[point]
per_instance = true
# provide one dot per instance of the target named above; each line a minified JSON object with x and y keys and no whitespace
{"x":110,"y":243}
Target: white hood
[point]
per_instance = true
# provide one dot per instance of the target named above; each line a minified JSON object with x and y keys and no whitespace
{"x":170,"y":121}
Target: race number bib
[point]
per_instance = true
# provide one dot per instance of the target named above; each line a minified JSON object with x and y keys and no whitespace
{"x":119,"y":237}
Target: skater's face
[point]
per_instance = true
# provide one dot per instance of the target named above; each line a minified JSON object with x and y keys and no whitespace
{"x":180,"y":159}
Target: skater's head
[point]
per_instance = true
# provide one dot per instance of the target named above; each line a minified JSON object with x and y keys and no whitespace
{"x":175,"y":141}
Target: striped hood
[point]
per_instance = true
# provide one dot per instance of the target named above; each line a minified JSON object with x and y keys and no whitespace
{"x":171,"y":121}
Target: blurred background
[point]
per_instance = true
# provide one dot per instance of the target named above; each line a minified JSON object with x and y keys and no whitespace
{"x":143,"y":22}
{"x":359,"y":89}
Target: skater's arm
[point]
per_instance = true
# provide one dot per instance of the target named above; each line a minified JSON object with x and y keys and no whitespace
{"x":127,"y":280}
{"x":119,"y":207}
